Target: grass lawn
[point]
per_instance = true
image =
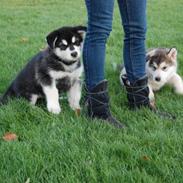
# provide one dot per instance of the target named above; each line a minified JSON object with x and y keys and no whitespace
{"x":66,"y":148}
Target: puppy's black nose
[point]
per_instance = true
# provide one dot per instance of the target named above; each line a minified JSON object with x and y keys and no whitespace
{"x":158,"y":79}
{"x":74,"y":54}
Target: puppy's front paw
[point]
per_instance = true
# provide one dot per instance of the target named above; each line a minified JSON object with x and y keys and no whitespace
{"x":74,"y":103}
{"x":75,"y":107}
{"x":151,"y":96}
{"x":55,"y":109}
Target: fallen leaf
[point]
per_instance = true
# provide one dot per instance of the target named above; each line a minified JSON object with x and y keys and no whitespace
{"x":146,"y":158}
{"x":78,"y":112}
{"x":24,"y":40}
{"x":10,"y":136}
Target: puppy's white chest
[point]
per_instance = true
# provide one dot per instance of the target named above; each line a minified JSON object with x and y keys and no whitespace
{"x":77,"y":73}
{"x":61,"y":74}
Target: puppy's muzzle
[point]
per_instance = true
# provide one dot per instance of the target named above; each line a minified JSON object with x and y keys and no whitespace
{"x":158,"y":79}
{"x":74,"y":54}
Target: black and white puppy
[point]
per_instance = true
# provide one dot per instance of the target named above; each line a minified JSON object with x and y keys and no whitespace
{"x":57,"y":68}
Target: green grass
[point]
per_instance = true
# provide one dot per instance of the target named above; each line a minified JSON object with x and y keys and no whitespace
{"x":66,"y":148}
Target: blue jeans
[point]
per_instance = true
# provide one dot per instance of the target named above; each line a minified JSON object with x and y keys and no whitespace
{"x":100,"y":15}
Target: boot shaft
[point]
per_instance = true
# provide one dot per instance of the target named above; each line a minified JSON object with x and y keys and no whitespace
{"x":98,"y":104}
{"x":137,"y":93}
{"x":98,"y":101}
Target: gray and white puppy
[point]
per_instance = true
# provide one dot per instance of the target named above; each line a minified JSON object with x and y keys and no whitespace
{"x":161,"y":69}
{"x":57,"y":68}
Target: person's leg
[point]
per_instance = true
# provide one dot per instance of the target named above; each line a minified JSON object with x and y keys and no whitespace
{"x":100,"y":15}
{"x":133,"y":13}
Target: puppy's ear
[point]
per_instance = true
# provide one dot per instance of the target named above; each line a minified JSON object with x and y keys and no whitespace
{"x":81,"y":30}
{"x":172,"y":53}
{"x":150,"y":53}
{"x":52,"y":38}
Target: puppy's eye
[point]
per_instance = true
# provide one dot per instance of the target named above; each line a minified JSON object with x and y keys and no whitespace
{"x":77,"y":42}
{"x":154,"y":68}
{"x":164,"y":68}
{"x":62,"y":46}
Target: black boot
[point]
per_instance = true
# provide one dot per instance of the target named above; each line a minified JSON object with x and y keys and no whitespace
{"x":98,"y":104}
{"x":138,"y":96}
{"x":137,"y":93}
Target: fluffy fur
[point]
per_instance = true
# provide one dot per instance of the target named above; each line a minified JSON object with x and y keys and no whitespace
{"x":161,"y":68}
{"x":53,"y":70}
